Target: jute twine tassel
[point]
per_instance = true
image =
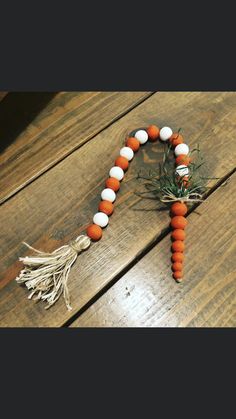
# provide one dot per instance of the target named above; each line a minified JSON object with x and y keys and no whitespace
{"x":47,"y":273}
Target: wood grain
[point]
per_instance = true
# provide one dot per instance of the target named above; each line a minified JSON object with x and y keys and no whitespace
{"x":147,"y":296}
{"x":2,"y":95}
{"x":62,"y":125}
{"x":58,"y":205}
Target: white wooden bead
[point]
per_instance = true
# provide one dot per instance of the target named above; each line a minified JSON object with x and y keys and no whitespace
{"x":182,"y":170}
{"x":127,"y":152}
{"x":142,"y":136}
{"x":101,"y":219}
{"x":181,"y":149}
{"x":108,"y":195}
{"x":117,"y":172}
{"x":165,"y":133}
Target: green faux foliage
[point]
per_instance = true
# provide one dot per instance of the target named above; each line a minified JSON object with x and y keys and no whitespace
{"x":167,"y":186}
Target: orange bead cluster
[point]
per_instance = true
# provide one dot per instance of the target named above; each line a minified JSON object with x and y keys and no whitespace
{"x":178,"y":224}
{"x":94,"y":231}
{"x":179,"y":210}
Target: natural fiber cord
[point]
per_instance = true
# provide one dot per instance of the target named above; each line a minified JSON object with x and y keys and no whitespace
{"x":47,"y":273}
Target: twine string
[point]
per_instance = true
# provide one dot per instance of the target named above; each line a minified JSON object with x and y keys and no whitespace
{"x":193,"y":197}
{"x":46,"y":274}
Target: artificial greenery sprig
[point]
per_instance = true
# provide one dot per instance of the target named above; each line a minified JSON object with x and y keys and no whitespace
{"x":168,"y":186}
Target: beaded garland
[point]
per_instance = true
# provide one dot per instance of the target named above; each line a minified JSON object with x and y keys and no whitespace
{"x":178,"y":209}
{"x":46,"y":274}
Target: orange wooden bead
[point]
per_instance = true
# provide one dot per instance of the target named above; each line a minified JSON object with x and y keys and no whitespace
{"x":177,"y":266}
{"x":133,"y":143}
{"x":113,"y":184}
{"x":94,"y":232}
{"x":176,"y":139}
{"x":178,"y":234}
{"x":122,"y":162}
{"x":177,"y":257}
{"x":153,"y":132}
{"x":179,"y":208}
{"x":107,"y":207}
{"x":178,"y":246}
{"x":185,"y":181}
{"x":178,"y":221}
{"x":183,"y":159}
{"x":178,"y":275}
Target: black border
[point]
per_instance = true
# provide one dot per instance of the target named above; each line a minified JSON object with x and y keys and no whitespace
{"x":185,"y":368}
{"x":98,"y":46}
{"x":104,"y":46}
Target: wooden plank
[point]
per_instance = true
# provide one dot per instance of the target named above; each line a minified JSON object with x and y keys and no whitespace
{"x":147,"y":296}
{"x":36,"y":134}
{"x":57,"y":206}
{"x":2,"y":95}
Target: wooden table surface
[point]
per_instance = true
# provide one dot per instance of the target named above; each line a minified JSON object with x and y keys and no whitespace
{"x":56,"y":152}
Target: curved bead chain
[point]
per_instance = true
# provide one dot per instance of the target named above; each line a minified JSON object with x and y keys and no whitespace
{"x":117,"y":172}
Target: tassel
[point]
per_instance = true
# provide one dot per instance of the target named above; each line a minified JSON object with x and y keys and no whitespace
{"x":47,"y":273}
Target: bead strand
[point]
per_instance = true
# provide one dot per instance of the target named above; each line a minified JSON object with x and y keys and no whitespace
{"x":179,"y":209}
{"x":116,"y":174}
